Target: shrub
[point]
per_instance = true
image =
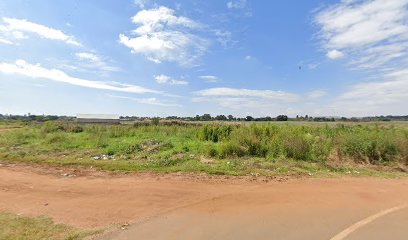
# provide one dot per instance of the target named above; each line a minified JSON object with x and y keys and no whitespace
{"x":155,"y":121}
{"x":49,"y":127}
{"x":215,"y":133}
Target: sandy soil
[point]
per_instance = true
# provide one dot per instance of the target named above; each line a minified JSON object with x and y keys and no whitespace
{"x":89,"y":198}
{"x":179,"y":206}
{"x":8,"y":129}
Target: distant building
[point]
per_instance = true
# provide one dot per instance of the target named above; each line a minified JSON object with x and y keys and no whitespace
{"x":98,"y":118}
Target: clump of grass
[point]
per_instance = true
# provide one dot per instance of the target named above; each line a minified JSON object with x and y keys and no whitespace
{"x":375,"y":146}
{"x":214,"y":133}
{"x":19,"y":227}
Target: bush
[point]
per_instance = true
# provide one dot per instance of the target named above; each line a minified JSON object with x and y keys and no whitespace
{"x":49,"y":127}
{"x":155,"y":121}
{"x":75,"y":129}
{"x":215,"y":133}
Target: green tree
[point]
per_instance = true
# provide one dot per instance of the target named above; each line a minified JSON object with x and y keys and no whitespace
{"x":282,"y":118}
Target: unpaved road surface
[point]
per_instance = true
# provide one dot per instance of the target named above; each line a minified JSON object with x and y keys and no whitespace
{"x":187,"y":207}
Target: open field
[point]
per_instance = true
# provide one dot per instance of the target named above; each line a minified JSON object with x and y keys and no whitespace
{"x":215,"y":148}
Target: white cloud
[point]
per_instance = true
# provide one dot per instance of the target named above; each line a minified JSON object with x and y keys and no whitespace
{"x":365,"y":29}
{"x":209,"y":78}
{"x":88,"y":56}
{"x":243,"y":106}
{"x":141,"y":3}
{"x":164,"y":79}
{"x":23,"y":68}
{"x":316,"y":94}
{"x":313,"y":65}
{"x":224,"y":38}
{"x":150,"y":101}
{"x":93,"y":61}
{"x":5,"y":41}
{"x":238,"y":4}
{"x":242,"y":92}
{"x":371,"y":34}
{"x":17,"y":27}
{"x":248,"y":58}
{"x":163,"y":36}
{"x":334,"y":54}
{"x":389,"y":96}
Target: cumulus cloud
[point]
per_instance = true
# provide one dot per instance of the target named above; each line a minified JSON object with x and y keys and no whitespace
{"x":21,"y":67}
{"x":164,"y":79}
{"x":163,"y":36}
{"x":15,"y":28}
{"x":209,"y":78}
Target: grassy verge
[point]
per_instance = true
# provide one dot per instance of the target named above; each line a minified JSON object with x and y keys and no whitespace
{"x":234,"y":149}
{"x":18,"y":227}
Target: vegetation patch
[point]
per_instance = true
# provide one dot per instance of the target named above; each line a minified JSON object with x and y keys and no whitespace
{"x":236,"y":149}
{"x":20,"y":227}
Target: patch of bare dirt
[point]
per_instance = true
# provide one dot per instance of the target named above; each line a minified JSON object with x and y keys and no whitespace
{"x":184,"y":204}
{"x":8,"y":129}
{"x":89,"y":198}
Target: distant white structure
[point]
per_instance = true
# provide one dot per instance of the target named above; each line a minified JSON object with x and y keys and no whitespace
{"x":98,"y":118}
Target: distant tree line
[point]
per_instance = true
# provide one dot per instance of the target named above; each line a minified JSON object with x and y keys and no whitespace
{"x":208,"y":117}
{"x":36,"y":118}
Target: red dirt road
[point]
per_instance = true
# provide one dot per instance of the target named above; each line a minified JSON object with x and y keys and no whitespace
{"x":188,"y":207}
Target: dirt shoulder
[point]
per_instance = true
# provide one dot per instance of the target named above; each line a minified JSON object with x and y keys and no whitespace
{"x":86,"y":198}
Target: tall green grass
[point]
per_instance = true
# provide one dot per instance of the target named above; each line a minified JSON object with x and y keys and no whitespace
{"x":370,"y":144}
{"x":179,"y":146}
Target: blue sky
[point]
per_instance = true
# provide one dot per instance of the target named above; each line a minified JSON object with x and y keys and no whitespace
{"x":239,"y":57}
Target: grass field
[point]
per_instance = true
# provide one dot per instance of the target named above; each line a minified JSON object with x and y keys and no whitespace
{"x":38,"y":228}
{"x":214,"y":148}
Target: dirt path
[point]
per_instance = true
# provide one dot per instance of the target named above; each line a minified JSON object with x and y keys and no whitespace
{"x":5,"y":129}
{"x":187,"y":207}
{"x":90,"y":199}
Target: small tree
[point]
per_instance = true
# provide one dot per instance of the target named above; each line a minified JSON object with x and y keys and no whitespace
{"x":221,"y":118}
{"x":249,"y":118}
{"x":206,"y":117}
{"x":282,"y":118}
